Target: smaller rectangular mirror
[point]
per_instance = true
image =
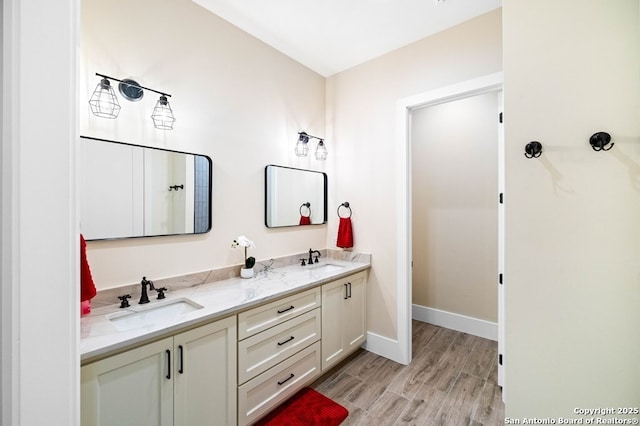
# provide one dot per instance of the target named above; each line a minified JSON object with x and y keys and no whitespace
{"x":294,"y":197}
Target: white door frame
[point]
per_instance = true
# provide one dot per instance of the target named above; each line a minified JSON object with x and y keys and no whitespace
{"x":40,"y":259}
{"x":404,"y":108}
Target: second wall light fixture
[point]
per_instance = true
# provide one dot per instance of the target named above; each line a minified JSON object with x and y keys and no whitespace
{"x":104,"y":102}
{"x":302,"y":146}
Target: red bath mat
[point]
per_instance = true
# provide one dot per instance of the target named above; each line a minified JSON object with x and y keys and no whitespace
{"x":306,"y":408}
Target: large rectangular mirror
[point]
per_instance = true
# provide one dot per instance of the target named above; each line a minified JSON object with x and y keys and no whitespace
{"x":294,"y":197}
{"x":130,"y":190}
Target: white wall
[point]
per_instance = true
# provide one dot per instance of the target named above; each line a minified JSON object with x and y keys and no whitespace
{"x":454,"y":155}
{"x":235,"y":99}
{"x":572,"y":273}
{"x":361,"y":111}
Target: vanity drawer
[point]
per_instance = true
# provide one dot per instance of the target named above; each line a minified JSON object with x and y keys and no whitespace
{"x":262,"y":351}
{"x":274,"y":313}
{"x":266,"y":391}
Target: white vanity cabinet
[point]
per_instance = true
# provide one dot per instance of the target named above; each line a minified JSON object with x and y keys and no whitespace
{"x":187,"y":379}
{"x":278,"y":352}
{"x":344,"y":324}
{"x":231,"y":371}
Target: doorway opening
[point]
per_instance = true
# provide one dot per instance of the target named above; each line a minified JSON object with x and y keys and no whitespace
{"x":405,"y":109}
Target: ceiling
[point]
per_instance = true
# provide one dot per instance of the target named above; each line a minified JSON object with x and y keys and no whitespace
{"x":330,"y":36}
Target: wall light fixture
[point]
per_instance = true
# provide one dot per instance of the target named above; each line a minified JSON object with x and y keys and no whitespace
{"x":104,"y":103}
{"x":302,"y":146}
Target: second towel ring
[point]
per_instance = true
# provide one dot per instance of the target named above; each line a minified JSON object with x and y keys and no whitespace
{"x":346,"y":206}
{"x":308,"y":206}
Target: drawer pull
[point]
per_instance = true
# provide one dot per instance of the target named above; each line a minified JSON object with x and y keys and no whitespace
{"x":286,"y":341}
{"x":286,"y":380}
{"x":285,"y":310}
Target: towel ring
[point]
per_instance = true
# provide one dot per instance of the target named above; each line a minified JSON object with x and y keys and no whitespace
{"x":346,"y":206}
{"x":308,"y":206}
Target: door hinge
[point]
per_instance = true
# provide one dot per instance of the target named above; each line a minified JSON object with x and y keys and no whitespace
{"x":500,"y":278}
{"x":500,"y":359}
{"x":501,"y":198}
{"x":500,"y":117}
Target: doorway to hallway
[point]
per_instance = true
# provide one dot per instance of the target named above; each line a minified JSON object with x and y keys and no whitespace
{"x":407,"y":109}
{"x":454,"y":169}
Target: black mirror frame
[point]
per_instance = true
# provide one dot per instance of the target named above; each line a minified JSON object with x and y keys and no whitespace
{"x":325,"y":210}
{"x":210,"y":194}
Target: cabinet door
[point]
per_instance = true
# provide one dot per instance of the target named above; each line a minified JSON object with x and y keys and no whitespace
{"x":355,"y":312}
{"x":130,"y":389}
{"x":205,"y":375}
{"x":344,"y":315}
{"x":334,"y":296}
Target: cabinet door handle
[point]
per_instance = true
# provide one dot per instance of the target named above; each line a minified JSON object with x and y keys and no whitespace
{"x":346,"y":291}
{"x":181,"y":354}
{"x":168,"y":352}
{"x":285,"y":310}
{"x":286,"y":380}
{"x":288,"y":340}
{"x":349,"y":290}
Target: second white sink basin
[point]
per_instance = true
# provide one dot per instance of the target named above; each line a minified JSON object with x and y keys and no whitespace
{"x":139,"y":316}
{"x":326,"y":267}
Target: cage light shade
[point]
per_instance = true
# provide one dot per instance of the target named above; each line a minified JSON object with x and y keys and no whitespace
{"x":162,"y":115}
{"x":321,"y":151}
{"x":301,"y":149}
{"x":103,"y":101}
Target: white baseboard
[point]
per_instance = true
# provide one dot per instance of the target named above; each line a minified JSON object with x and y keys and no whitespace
{"x":384,"y":346}
{"x":469,"y":325}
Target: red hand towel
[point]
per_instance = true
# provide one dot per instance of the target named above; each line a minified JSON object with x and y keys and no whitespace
{"x":345,"y":233}
{"x":305,"y":220}
{"x":87,"y":287}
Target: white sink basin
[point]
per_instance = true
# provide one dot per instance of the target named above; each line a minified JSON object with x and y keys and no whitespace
{"x":139,"y":316}
{"x":326,"y":267}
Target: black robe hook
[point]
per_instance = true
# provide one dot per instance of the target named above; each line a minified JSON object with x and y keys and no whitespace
{"x":533,"y":149}
{"x":600,"y":140}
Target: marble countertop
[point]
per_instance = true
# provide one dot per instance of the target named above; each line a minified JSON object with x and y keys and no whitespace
{"x":100,"y":338}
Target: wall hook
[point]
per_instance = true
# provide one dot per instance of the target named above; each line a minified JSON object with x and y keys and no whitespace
{"x":600,"y":140}
{"x":533,"y":149}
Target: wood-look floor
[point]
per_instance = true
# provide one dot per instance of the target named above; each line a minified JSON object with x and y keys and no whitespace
{"x":452,"y":380}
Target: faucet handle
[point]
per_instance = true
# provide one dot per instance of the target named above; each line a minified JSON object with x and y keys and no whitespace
{"x":124,"y":303}
{"x":303,"y":262}
{"x":161,"y":291}
{"x":316,"y":259}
